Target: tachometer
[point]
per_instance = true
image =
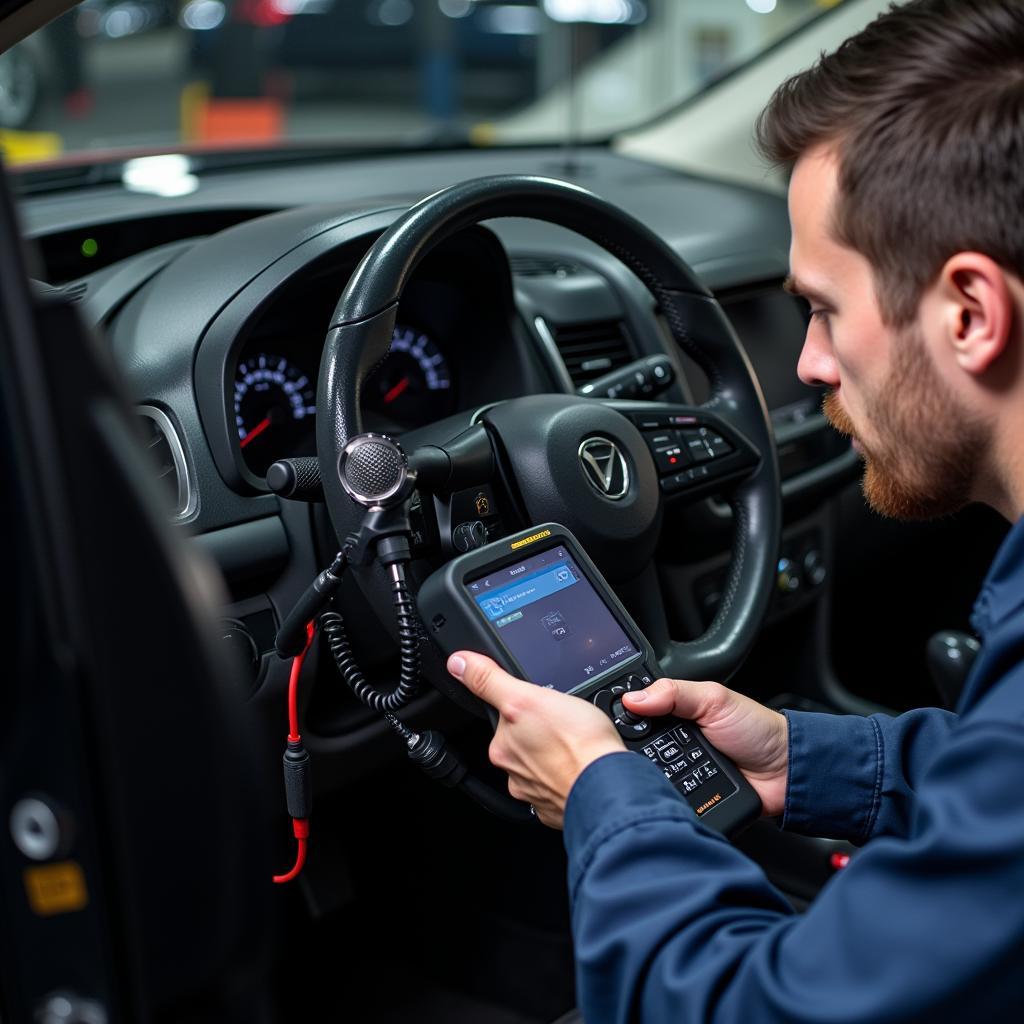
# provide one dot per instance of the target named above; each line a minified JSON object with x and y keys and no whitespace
{"x":275,"y":408}
{"x":414,"y":384}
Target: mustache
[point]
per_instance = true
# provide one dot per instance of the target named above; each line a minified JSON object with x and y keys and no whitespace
{"x":837,"y":415}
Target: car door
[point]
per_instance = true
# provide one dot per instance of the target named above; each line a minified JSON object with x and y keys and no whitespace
{"x":134,"y":879}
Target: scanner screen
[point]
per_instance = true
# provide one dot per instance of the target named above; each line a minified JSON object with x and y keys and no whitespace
{"x":549,"y":617}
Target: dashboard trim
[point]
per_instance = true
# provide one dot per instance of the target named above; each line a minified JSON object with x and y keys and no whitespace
{"x":188,"y":499}
{"x":554,"y":357}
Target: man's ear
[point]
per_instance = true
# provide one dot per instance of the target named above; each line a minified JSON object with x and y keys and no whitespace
{"x":976,"y":307}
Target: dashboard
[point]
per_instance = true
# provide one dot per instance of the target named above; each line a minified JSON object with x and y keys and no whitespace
{"x":215,"y":309}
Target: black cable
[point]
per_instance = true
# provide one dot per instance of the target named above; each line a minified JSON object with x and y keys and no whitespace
{"x":408,"y":628}
{"x":333,"y":627}
{"x":291,"y":637}
{"x":401,"y":728}
{"x":428,"y":750}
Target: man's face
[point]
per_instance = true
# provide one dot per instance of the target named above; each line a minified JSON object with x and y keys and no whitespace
{"x":885,"y":391}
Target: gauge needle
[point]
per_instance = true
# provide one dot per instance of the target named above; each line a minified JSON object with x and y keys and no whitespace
{"x":256,"y":431}
{"x":397,"y":390}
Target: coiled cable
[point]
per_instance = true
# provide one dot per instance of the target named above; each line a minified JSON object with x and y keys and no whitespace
{"x":333,"y":627}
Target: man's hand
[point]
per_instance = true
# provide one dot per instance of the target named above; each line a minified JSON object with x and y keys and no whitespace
{"x":544,"y":738}
{"x":753,"y":736}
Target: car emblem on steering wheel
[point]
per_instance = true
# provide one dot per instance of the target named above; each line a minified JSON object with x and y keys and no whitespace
{"x":605,"y":467}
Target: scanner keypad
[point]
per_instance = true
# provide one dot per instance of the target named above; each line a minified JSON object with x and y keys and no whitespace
{"x":678,"y":749}
{"x":680,"y":754}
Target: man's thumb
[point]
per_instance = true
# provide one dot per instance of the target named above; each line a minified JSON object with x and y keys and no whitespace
{"x":667,"y":697}
{"x":481,"y":676}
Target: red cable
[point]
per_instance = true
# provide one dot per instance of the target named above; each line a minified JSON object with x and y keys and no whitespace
{"x":300,"y":826}
{"x":293,"y":687}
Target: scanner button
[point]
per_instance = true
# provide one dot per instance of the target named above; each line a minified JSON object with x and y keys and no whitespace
{"x":670,"y":753}
{"x":681,"y":734}
{"x":695,"y":754}
{"x":689,"y":783}
{"x":622,"y":714}
{"x":635,"y":731}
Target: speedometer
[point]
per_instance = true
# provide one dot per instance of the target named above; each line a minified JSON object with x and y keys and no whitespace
{"x":414,"y":383}
{"x":275,"y":409}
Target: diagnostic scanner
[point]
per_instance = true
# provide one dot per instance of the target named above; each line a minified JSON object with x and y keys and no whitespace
{"x":537,"y":605}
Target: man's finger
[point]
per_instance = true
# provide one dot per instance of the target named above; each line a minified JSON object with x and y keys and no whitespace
{"x":680,"y":697}
{"x":481,"y":676}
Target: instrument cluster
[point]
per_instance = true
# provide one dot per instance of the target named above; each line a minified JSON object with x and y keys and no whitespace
{"x":275,"y":387}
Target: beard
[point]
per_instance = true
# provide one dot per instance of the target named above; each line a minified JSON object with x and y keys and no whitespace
{"x":928,"y":448}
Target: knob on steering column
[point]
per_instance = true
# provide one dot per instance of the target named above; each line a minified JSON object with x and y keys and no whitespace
{"x":461,"y":462}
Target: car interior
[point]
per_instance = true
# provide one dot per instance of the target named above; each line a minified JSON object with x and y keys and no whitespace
{"x":161,"y":353}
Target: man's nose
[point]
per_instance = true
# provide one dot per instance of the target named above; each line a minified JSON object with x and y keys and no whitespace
{"x":817,"y":365}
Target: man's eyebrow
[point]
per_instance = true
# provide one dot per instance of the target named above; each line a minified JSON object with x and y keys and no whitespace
{"x":795,"y":287}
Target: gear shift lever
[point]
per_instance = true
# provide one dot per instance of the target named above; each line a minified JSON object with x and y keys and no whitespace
{"x":950,"y":654}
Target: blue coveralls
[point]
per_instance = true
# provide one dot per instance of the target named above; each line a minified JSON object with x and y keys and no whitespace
{"x":672,"y":924}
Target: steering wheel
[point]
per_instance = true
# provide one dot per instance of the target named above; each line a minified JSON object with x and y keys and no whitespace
{"x":537,"y":440}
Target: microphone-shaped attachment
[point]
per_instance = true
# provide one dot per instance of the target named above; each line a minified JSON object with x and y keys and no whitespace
{"x":373,"y":470}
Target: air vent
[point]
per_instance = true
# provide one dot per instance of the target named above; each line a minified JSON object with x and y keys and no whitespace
{"x":543,"y":266}
{"x":593,"y":349}
{"x":75,"y":292}
{"x":168,"y":457}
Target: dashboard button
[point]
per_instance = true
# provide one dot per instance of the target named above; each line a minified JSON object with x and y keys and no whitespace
{"x":814,"y":567}
{"x":469,"y":536}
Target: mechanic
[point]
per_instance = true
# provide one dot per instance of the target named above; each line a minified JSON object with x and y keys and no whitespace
{"x":906,"y":199}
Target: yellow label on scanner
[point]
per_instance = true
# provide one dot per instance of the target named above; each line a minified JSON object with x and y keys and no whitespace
{"x":530,"y":539}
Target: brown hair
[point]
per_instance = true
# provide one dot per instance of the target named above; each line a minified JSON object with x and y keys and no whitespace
{"x":925,"y":107}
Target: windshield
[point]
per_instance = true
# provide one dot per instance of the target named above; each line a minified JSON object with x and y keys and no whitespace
{"x":160,"y":75}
